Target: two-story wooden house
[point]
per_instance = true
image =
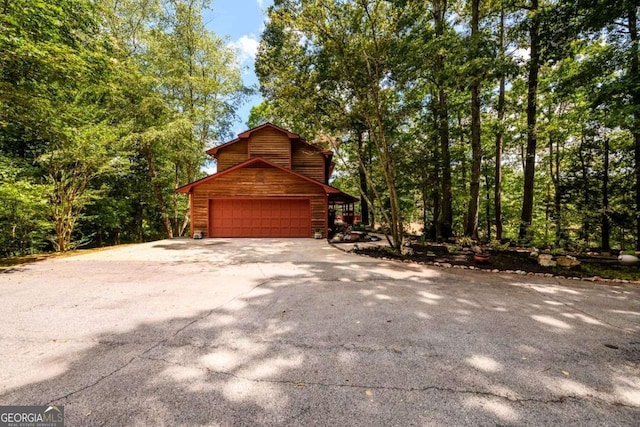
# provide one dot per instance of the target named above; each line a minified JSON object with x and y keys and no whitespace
{"x":269,"y":183}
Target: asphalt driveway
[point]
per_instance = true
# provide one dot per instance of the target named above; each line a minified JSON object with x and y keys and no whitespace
{"x":295,"y":332}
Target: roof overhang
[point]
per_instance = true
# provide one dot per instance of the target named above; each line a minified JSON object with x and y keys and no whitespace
{"x":213,"y":151}
{"x":342,"y":199}
{"x":254,"y":162}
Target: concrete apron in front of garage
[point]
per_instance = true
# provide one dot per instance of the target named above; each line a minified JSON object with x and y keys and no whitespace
{"x":293,"y":331}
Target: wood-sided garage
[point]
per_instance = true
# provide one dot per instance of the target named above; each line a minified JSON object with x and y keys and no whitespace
{"x":258,"y":199}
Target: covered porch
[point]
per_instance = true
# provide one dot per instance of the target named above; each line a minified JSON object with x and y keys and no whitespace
{"x":342,"y":210}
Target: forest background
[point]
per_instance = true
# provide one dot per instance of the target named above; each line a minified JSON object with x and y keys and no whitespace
{"x":492,"y":119}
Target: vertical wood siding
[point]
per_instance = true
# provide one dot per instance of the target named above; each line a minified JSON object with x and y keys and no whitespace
{"x":232,"y":155}
{"x":271,"y":145}
{"x":307,"y":161}
{"x":277,"y":148}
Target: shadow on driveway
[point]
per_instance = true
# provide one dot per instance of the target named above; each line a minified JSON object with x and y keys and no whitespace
{"x":365,"y":343}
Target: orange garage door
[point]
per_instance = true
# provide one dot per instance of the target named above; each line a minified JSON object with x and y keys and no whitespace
{"x":259,"y":218}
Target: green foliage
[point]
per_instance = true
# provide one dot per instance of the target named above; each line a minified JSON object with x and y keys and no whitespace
{"x":497,"y":246}
{"x":465,"y":241}
{"x":24,"y":223}
{"x":263,"y":113}
{"x":107,"y":107}
{"x":320,"y":85}
{"x":453,"y":249}
{"x":624,"y":272}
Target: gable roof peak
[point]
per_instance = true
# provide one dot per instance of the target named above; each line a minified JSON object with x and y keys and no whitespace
{"x":247,"y":133}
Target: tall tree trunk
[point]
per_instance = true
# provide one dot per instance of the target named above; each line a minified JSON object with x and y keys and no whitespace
{"x":547,"y":214}
{"x":364,"y":206}
{"x":497,"y":194}
{"x":476,"y":147}
{"x":584,"y":168}
{"x":371,"y":192}
{"x":424,"y":193}
{"x":557,"y":199}
{"x":175,"y":199}
{"x":554,"y":173}
{"x":606,"y":230}
{"x":525,"y":234}
{"x":157,"y":189}
{"x":487,"y":190}
{"x":186,"y":221}
{"x":435,"y":193}
{"x":138,"y":209}
{"x":447,"y":198}
{"x":446,"y":222}
{"x":635,"y":92}
{"x":463,"y":170}
{"x":388,"y":169}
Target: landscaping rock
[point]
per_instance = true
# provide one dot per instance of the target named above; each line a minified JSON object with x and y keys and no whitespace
{"x":628,"y":259}
{"x":567,"y":261}
{"x":339,"y":237}
{"x":406,"y":250}
{"x":546,"y":260}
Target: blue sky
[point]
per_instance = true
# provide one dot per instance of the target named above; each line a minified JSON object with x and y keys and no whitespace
{"x":240,"y":22}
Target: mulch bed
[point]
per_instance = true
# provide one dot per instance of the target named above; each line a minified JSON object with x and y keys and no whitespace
{"x":510,"y":261}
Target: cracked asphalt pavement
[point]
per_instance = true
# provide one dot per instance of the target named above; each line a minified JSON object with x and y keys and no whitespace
{"x":296,"y":332}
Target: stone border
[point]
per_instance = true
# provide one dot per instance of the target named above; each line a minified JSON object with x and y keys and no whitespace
{"x":495,"y":270}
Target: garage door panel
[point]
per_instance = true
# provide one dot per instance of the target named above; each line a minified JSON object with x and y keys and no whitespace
{"x":260,"y":218}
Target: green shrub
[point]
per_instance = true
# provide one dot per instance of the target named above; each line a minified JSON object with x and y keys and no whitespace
{"x":453,"y":249}
{"x":465,"y":241}
{"x":496,"y":246}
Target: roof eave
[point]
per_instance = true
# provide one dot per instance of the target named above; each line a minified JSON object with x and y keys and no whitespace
{"x":188,"y":187}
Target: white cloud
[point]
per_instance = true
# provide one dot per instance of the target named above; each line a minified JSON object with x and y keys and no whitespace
{"x":521,"y":54}
{"x":210,"y":167}
{"x":260,"y":4}
{"x":246,"y":46}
